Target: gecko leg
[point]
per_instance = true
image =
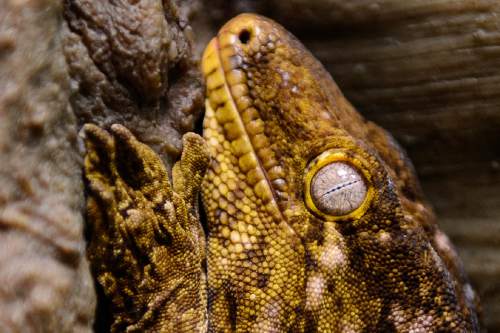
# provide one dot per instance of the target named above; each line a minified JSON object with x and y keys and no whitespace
{"x":146,"y":244}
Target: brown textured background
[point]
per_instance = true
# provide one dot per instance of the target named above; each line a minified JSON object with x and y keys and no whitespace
{"x":426,"y":70}
{"x":62,"y":64}
{"x":45,"y":283}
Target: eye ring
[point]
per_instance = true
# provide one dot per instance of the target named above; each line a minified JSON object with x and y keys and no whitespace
{"x":345,"y":161}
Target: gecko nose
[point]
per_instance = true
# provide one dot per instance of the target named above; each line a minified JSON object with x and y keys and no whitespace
{"x":244,"y":36}
{"x":243,"y":28}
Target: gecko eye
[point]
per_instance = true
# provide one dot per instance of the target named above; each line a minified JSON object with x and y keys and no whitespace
{"x":337,"y":186}
{"x":338,"y":189}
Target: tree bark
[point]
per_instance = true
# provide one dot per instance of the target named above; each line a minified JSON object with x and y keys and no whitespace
{"x":45,"y":283}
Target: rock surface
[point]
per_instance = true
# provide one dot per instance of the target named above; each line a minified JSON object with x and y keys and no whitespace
{"x":427,"y":71}
{"x":106,"y":63}
{"x":45,"y":284}
{"x":132,"y":63}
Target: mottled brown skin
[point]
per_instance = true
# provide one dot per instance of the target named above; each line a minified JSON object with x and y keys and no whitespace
{"x":274,"y":265}
{"x":146,"y":246}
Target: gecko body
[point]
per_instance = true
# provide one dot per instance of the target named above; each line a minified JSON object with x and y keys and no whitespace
{"x":316,"y":219}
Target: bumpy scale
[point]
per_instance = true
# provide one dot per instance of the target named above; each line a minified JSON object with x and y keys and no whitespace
{"x":146,"y":246}
{"x":369,"y":257}
{"x":315,"y":219}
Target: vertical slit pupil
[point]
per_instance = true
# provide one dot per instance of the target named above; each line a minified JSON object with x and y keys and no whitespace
{"x":244,"y":36}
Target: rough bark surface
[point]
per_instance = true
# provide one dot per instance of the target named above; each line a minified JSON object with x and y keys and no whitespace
{"x":427,"y":71}
{"x":132,"y":64}
{"x":45,"y":284}
{"x":127,"y":63}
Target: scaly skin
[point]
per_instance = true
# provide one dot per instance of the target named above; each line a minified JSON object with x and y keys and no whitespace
{"x":275,"y":262}
{"x":146,"y":246}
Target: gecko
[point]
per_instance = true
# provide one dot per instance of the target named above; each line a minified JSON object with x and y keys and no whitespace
{"x":314,"y":220}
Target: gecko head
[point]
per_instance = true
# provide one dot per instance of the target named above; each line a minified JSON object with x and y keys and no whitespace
{"x":320,"y":160}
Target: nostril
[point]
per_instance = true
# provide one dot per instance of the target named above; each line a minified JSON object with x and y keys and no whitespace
{"x":244,"y":36}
